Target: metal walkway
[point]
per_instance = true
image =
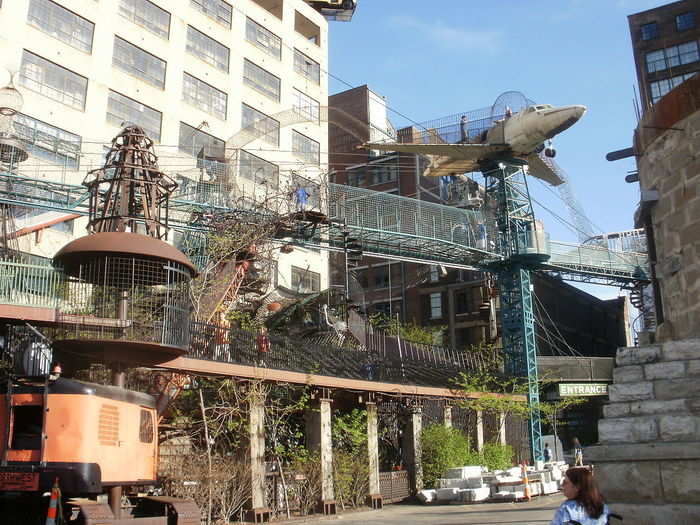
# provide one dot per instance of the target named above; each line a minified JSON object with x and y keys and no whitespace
{"x":388,"y":226}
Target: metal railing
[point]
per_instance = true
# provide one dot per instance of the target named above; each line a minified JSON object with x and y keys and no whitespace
{"x":34,"y":285}
{"x":593,"y":259}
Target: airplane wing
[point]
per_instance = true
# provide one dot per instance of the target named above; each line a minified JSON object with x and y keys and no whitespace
{"x":455,"y":151}
{"x":542,"y":170}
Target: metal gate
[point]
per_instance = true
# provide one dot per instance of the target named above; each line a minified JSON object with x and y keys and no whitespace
{"x":394,"y":486}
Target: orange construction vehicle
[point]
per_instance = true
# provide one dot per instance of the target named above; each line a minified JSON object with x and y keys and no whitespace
{"x":90,"y":438}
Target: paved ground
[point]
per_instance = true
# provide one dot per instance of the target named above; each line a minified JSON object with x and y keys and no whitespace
{"x":536,"y":512}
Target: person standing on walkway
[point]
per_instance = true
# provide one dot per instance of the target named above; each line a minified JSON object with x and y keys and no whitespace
{"x":547,"y":453}
{"x":464,"y":129}
{"x":584,"y":502}
{"x":578,"y":453}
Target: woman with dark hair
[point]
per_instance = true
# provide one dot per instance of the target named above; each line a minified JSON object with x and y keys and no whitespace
{"x":584,"y":503}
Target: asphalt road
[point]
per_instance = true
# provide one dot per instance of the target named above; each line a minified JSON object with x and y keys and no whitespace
{"x":539,"y":511}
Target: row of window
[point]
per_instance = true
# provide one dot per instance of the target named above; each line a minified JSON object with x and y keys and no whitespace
{"x":684,"y":22}
{"x":661,"y":87}
{"x":372,"y":175}
{"x":78,"y":32}
{"x":672,"y":56}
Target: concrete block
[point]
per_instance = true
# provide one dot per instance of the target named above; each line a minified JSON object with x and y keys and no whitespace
{"x":638,"y":355}
{"x":676,"y":388}
{"x":474,"y":495}
{"x":631,"y":391}
{"x":506,"y":496}
{"x":616,"y":410}
{"x":627,"y":430}
{"x":427,"y":496}
{"x":680,"y":481}
{"x":447,"y":494}
{"x":551,"y":487}
{"x":466,"y":472}
{"x":451,"y":483}
{"x":473,"y":483}
{"x":678,"y":427}
{"x":628,"y":374}
{"x":684,"y":349}
{"x":634,"y":482}
{"x":665,"y":370}
{"x":644,"y":408}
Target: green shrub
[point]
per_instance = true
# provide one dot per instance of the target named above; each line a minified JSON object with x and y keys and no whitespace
{"x":444,"y":448}
{"x":496,"y":456}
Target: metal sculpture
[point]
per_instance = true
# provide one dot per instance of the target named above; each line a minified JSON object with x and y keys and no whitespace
{"x":129,"y":193}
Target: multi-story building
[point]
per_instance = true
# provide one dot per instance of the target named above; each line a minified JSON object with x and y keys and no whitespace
{"x":236,"y":87}
{"x":665,"y":44}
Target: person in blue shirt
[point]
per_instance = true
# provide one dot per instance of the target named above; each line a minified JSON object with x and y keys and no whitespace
{"x":584,"y":503}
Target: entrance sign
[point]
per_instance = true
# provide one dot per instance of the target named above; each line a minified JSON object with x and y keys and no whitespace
{"x":583,"y":389}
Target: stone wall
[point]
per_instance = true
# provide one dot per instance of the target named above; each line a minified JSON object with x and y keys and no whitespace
{"x":668,"y":144}
{"x":648,"y":463}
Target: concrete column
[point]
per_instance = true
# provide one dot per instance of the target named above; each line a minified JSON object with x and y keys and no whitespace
{"x":318,"y":435}
{"x":502,"y":428}
{"x":375,"y":492}
{"x":412,"y":449}
{"x":447,"y":416}
{"x":257,"y":451}
{"x":479,"y":430}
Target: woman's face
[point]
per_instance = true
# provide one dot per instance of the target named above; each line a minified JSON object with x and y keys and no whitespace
{"x":569,"y":489}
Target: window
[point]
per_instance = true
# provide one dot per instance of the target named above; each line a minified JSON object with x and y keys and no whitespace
{"x":48,"y":142}
{"x":26,"y":427}
{"x":258,"y":170}
{"x":356,"y":178}
{"x":685,"y":21}
{"x":306,"y":148}
{"x":261,"y":80}
{"x":121,"y":109}
{"x":53,"y":81}
{"x":464,"y":303}
{"x":208,"y":49}
{"x":138,"y":62}
{"x":61,"y":23}
{"x":383,"y":173}
{"x":381,"y":276}
{"x":649,"y":31}
{"x":306,"y":106}
{"x":264,"y":127}
{"x":146,"y":427}
{"x":216,"y":9}
{"x":672,"y":56}
{"x":305,"y":281}
{"x":434,"y":274}
{"x":661,"y":87}
{"x":435,"y":305}
{"x":263,"y":39}
{"x":307,"y":28}
{"x":307,"y":67}
{"x":198,"y":143}
{"x":147,"y":15}
{"x":203,"y":96}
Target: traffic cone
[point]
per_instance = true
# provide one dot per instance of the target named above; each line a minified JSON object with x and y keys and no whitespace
{"x":526,"y":482}
{"x":52,"y":513}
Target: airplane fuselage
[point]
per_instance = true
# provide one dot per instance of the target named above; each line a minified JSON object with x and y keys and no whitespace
{"x":528,"y":129}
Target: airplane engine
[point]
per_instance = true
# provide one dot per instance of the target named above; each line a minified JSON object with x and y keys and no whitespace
{"x":550,"y":152}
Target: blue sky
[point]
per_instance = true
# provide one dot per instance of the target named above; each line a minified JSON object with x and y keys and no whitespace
{"x":436,"y":58}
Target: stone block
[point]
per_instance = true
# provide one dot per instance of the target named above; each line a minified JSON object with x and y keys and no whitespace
{"x":693,"y":367}
{"x":647,"y":408}
{"x":638,"y":355}
{"x":627,"y":430}
{"x":677,"y":427}
{"x":631,"y":391}
{"x":630,"y":482}
{"x":616,"y":410}
{"x":685,"y":349}
{"x":666,"y":370}
{"x":658,"y":514}
{"x":680,"y":481}
{"x":676,"y":388}
{"x":628,"y":374}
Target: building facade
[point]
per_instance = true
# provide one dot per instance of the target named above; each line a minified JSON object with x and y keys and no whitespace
{"x":230,"y":93}
{"x":665,"y":44}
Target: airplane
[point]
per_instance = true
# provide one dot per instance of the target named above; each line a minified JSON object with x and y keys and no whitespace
{"x":521,"y":136}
